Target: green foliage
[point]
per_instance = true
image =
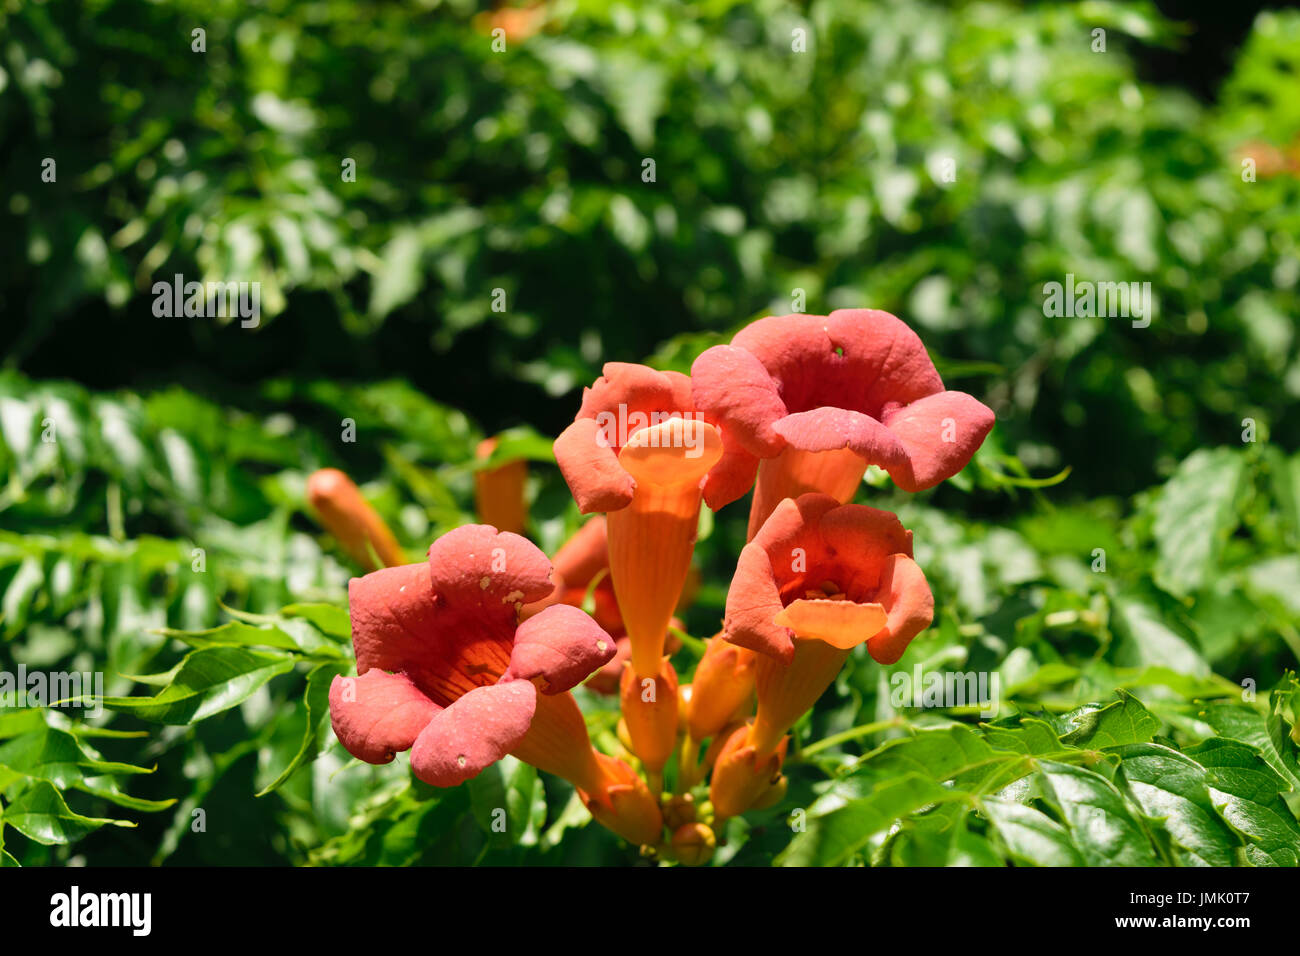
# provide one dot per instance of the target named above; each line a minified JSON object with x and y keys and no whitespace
{"x":776,"y":171}
{"x":1117,"y":559}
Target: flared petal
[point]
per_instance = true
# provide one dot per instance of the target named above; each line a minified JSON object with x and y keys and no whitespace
{"x":590,"y":466}
{"x":732,"y":476}
{"x":830,"y":429}
{"x":475,"y":566}
{"x":906,"y":596}
{"x":637,"y":390}
{"x":731,"y":385}
{"x":678,"y":451}
{"x":842,"y":624}
{"x":888,"y":360}
{"x":753,"y":602}
{"x":940,"y":434}
{"x":860,"y":539}
{"x":560,"y":648}
{"x":477,"y":730}
{"x":378,"y":715}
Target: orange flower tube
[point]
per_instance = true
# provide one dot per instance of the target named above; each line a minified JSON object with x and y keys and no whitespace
{"x":499,"y":492}
{"x":640,"y":452}
{"x":345,"y":514}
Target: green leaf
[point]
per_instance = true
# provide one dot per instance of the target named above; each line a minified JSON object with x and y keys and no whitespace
{"x":209,"y":681}
{"x":1030,"y":836}
{"x":330,"y":620}
{"x":316,"y":700}
{"x":235,"y":634}
{"x":508,"y":802}
{"x":1123,"y":721}
{"x":1101,"y":827}
{"x":1194,"y":515}
{"x":39,"y":813}
{"x":1171,"y":788}
{"x":833,"y":839}
{"x":56,"y":755}
{"x":1246,"y":794}
{"x":949,"y":845}
{"x":1244,"y":723}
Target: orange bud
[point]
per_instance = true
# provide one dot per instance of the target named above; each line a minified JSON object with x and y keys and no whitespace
{"x":693,"y":844}
{"x":623,"y":803}
{"x":345,"y":514}
{"x":723,"y":685}
{"x":499,"y":492}
{"x":741,"y":776}
{"x":650,"y":709}
{"x":679,"y":810}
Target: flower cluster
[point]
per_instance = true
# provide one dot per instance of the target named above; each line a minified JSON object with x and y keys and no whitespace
{"x":472,"y":654}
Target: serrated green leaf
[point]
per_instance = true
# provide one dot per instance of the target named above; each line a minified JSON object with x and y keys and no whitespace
{"x":1170,"y":787}
{"x":1100,"y":825}
{"x":834,"y":838}
{"x":40,"y":813}
{"x":1030,"y":836}
{"x":1123,"y":721}
{"x":1245,"y":793}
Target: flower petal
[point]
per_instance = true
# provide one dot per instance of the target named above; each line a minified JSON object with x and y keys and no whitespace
{"x":590,"y":465}
{"x":907,"y":599}
{"x":377,"y":715}
{"x":730,"y":384}
{"x":753,"y":602}
{"x":842,"y":624}
{"x":732,"y":476}
{"x":562,"y":646}
{"x":940,"y":434}
{"x":477,"y":567}
{"x":474,"y":732}
{"x":888,"y":359}
{"x":674,"y":452}
{"x":830,"y":429}
{"x":863,"y":538}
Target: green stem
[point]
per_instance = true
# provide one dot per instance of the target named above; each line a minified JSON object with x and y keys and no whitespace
{"x":853,"y":734}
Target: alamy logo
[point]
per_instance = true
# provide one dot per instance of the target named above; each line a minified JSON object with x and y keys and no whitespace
{"x":132,"y":910}
{"x":228,"y":300}
{"x":615,"y":429}
{"x":923,"y":688}
{"x":53,"y":689}
{"x":1106,"y":300}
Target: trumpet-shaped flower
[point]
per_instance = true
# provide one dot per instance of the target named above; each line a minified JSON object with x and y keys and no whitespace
{"x":446,"y":671}
{"x":817,"y":580}
{"x":819,"y":398}
{"x":639,"y":451}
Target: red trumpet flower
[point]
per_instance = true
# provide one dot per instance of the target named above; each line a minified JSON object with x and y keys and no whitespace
{"x":819,"y":398}
{"x":446,"y":671}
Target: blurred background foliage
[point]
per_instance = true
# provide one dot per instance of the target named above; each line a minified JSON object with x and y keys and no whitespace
{"x":127,"y":441}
